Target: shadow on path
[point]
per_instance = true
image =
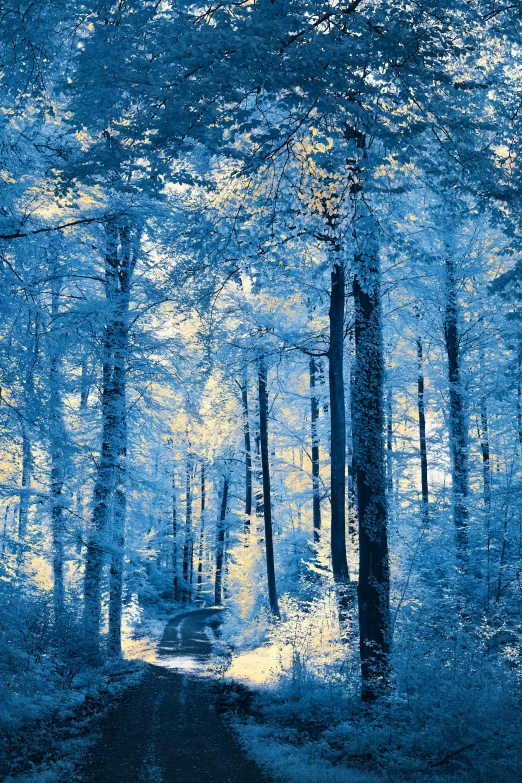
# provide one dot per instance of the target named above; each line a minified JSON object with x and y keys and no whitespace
{"x":165,"y":730}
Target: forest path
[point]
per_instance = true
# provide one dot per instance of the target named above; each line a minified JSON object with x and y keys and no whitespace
{"x":165,"y":730}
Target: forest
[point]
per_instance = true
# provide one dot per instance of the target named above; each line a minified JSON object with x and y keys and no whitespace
{"x":260,"y":391}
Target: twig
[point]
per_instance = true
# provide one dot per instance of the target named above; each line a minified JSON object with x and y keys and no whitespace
{"x":449,"y":756}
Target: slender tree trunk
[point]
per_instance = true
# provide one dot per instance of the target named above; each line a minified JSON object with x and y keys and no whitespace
{"x":486,"y":477}
{"x":316,"y":485}
{"x":248,"y":458}
{"x":27,"y":457}
{"x":57,"y":439}
{"x":368,"y":435}
{"x":267,"y":500}
{"x":4,"y":532}
{"x":201,"y":532}
{"x":321,"y":377}
{"x":422,"y":433}
{"x":352,"y":481}
{"x":259,"y":478}
{"x":220,"y":549}
{"x":389,"y":445}
{"x":457,"y":413}
{"x":175,"y":575}
{"x":188,"y":530}
{"x":23,"y":508}
{"x":85,"y":384}
{"x":519,"y":399}
{"x":338,"y":426}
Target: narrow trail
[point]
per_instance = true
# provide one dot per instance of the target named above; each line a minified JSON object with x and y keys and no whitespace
{"x":165,"y":730}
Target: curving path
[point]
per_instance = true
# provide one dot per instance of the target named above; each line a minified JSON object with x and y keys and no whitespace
{"x":165,"y":729}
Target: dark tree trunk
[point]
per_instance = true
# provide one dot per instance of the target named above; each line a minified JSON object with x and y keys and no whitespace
{"x":368,"y":436}
{"x":316,"y":484}
{"x":337,"y":426}
{"x":201,"y":531}
{"x":119,"y":381}
{"x":248,"y":457}
{"x":259,"y":479}
{"x":486,"y":477}
{"x":457,"y":413}
{"x":422,"y":433}
{"x":220,"y":549}
{"x":267,"y":501}
{"x":85,"y":382}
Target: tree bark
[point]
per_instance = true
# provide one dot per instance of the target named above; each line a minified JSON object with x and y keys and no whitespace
{"x":220,"y":549}
{"x":5,"y":529}
{"x":259,"y":478}
{"x":175,"y":575}
{"x":57,"y":442}
{"x":111,"y":463}
{"x":119,"y":380}
{"x":23,"y":508}
{"x":267,"y":500}
{"x":389,"y":446}
{"x":519,"y":398}
{"x":486,"y":478}
{"x":316,"y":483}
{"x":27,"y":456}
{"x":337,"y":426}
{"x":248,"y":457}
{"x":422,"y":434}
{"x":201,"y":532}
{"x":457,"y":413}
{"x":187,"y":546}
{"x":368,"y":436}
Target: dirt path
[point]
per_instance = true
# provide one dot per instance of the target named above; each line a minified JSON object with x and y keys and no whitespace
{"x":165,"y":730}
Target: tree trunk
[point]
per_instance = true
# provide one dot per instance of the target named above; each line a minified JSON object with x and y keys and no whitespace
{"x":27,"y":457}
{"x":389,"y":446}
{"x":368,"y":436}
{"x":175,"y":575}
{"x":85,"y":384}
{"x":486,"y":477}
{"x":316,"y":485}
{"x":187,"y":546}
{"x":5,"y":529}
{"x":111,"y":464}
{"x":248,"y":458}
{"x":220,"y":549}
{"x":337,"y":426}
{"x":457,"y":413}
{"x":57,"y":440}
{"x":259,"y":479}
{"x":352,"y":481}
{"x":422,"y":434}
{"x":23,"y":508}
{"x":201,"y":532}
{"x":267,"y":500}
{"x":519,"y":399}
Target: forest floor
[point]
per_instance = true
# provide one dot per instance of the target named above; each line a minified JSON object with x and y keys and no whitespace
{"x":166,"y":728}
